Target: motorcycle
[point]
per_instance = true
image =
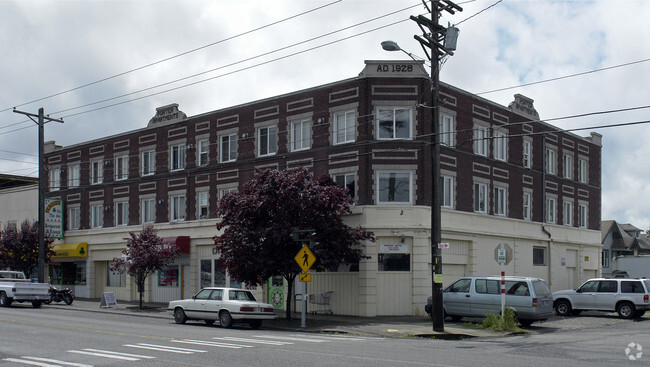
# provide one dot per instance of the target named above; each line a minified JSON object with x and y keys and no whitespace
{"x":57,"y":295}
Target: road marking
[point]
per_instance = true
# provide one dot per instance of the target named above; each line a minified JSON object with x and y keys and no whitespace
{"x":110,"y":354}
{"x":257,"y":341}
{"x":332,"y":337}
{"x":296,"y":339}
{"x":212,"y":344}
{"x":62,"y":363}
{"x":165,"y":348}
{"x":31,"y":363}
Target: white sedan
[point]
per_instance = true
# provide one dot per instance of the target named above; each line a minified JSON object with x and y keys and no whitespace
{"x":228,"y":305}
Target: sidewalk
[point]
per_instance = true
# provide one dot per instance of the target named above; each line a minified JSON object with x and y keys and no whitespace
{"x":381,"y":326}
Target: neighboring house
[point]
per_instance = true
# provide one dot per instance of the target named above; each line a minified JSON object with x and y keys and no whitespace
{"x":18,"y":200}
{"x":507,"y":178}
{"x":626,"y":250}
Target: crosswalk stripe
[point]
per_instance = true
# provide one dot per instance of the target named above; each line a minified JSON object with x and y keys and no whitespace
{"x":31,"y":363}
{"x":62,"y":363}
{"x":268,"y":342}
{"x":331,"y":337}
{"x":110,"y":354}
{"x":292,"y":339}
{"x":212,"y":344}
{"x":164,"y":348}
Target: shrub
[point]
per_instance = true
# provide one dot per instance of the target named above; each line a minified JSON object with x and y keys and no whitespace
{"x":497,"y":323}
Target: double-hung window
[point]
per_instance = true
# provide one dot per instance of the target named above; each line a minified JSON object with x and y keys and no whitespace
{"x":551,"y":161}
{"x":567,"y":213}
{"x":344,"y":127}
{"x":202,"y":152}
{"x":74,"y":218}
{"x":177,"y":157}
{"x":551,"y":210}
{"x":480,"y":197}
{"x":582,"y":170}
{"x":394,"y":188}
{"x":228,"y":148}
{"x":528,"y":153}
{"x":73,"y":175}
{"x":481,"y":140}
{"x":202,"y":203}
{"x":500,"y":145}
{"x":177,"y":207}
{"x":148,"y":210}
{"x":55,"y":179}
{"x":346,"y":181}
{"x":500,"y":200}
{"x":121,"y":167}
{"x":148,"y":162}
{"x":300,"y":135}
{"x":96,"y":216}
{"x":568,"y":166}
{"x":446,"y":130}
{"x":527,"y":205}
{"x":267,"y":141}
{"x":96,"y":172}
{"x":582,"y":215}
{"x":394,"y":123}
{"x":121,"y":213}
{"x":448,"y":192}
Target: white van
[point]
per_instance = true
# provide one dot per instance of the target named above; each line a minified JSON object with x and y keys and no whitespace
{"x":478,"y":296}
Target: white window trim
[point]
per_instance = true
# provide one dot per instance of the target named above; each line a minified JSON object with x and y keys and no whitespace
{"x":583,"y":215}
{"x":551,"y":210}
{"x":393,"y":109}
{"x":74,"y":221}
{"x":527,"y":208}
{"x":305,"y":142}
{"x":551,"y":160}
{"x":55,"y":179}
{"x":270,"y":139}
{"x":74,"y":175}
{"x":500,"y":200}
{"x":411,"y":186}
{"x":447,"y":128}
{"x":232,"y":141}
{"x":527,"y":159}
{"x":583,"y":170}
{"x":567,"y":211}
{"x":151,"y":162}
{"x":479,"y":187}
{"x":202,"y":148}
{"x":481,"y":135}
{"x":346,"y":121}
{"x":121,"y":167}
{"x":96,"y":215}
{"x":124,"y":220}
{"x":97,"y":178}
{"x":448,"y":191}
{"x":567,"y":165}
{"x":199,"y":205}
{"x":500,"y":142}
{"x":179,"y":154}
{"x":142,"y":209}
{"x":172,"y":207}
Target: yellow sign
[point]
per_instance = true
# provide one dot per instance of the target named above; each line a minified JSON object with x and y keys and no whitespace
{"x":437,"y":278}
{"x":305,"y":258}
{"x":304,"y":277}
{"x":71,"y":250}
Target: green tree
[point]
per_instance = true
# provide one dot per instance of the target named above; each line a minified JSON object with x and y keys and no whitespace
{"x":145,"y":253}
{"x":260,"y":219}
{"x":19,"y":249}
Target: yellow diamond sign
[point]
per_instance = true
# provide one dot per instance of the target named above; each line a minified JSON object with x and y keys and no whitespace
{"x":305,"y":258}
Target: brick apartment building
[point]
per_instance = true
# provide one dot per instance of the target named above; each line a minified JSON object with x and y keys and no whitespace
{"x":507,"y":178}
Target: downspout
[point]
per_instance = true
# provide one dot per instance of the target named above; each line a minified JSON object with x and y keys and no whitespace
{"x":550,"y":236}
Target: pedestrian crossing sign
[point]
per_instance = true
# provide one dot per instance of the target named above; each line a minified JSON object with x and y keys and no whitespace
{"x":305,"y":258}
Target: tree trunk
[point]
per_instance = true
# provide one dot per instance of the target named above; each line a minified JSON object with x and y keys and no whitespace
{"x":290,"y":280}
{"x":140,"y":281}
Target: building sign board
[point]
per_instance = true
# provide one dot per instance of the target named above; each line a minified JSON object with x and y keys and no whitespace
{"x":54,"y":218}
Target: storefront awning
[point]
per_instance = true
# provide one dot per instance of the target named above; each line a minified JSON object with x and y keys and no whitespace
{"x":71,"y":250}
{"x":182,"y":243}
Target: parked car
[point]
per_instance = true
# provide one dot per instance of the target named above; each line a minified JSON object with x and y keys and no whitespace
{"x":228,"y":305}
{"x":15,"y":287}
{"x":478,"y":296}
{"x":628,"y":297}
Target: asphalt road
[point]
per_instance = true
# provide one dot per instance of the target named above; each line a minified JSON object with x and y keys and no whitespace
{"x":58,"y":337}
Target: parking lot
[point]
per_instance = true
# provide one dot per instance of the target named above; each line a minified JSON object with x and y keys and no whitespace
{"x":585,"y":321}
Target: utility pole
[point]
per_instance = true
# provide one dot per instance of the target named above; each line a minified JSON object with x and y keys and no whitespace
{"x":437,"y":42}
{"x":42,"y":182}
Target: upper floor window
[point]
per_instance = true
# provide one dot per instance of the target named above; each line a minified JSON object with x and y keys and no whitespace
{"x":148,"y":162}
{"x":228,"y":148}
{"x":224,"y":192}
{"x":177,"y":207}
{"x":480,"y":197}
{"x":148,"y":210}
{"x":582,"y":170}
{"x":528,"y":153}
{"x":121,"y":213}
{"x":267,"y":141}
{"x":177,"y":157}
{"x":202,"y":204}
{"x":96,"y":172}
{"x":55,"y":179}
{"x":346,"y":181}
{"x":74,"y":218}
{"x":500,"y":200}
{"x":448,"y":192}
{"x":567,"y":213}
{"x":393,"y":123}
{"x":582,"y":215}
{"x":394,"y":188}
{"x":500,"y":145}
{"x":527,"y":205}
{"x":447,"y":129}
{"x":121,"y":167}
{"x":300,"y":135}
{"x":568,"y":166}
{"x":73,"y":175}
{"x":551,"y":210}
{"x":96,"y":216}
{"x":481,"y":140}
{"x":551,"y":161}
{"x":345,"y":124}
{"x":202,"y":152}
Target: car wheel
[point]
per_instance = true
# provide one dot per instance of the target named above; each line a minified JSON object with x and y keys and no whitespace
{"x":563,"y":308}
{"x":525,"y":323}
{"x":179,"y":316}
{"x":255,"y":324}
{"x":36,"y":303}
{"x":4,"y":300}
{"x":455,"y":317}
{"x":225,"y":320}
{"x":209,"y":322}
{"x":626,"y":310}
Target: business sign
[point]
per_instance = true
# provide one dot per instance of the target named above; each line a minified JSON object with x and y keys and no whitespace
{"x":54,"y":218}
{"x":395,"y":248}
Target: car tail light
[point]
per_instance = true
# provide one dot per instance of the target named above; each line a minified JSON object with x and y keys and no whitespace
{"x":268,"y":309}
{"x":534,"y":302}
{"x":645,"y":298}
{"x":246,"y":309}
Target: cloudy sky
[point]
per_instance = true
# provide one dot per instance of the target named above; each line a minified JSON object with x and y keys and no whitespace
{"x":104,"y":66}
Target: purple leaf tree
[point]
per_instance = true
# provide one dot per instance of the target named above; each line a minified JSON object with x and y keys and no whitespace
{"x":260,"y":219}
{"x":145,"y":254}
{"x":19,"y":249}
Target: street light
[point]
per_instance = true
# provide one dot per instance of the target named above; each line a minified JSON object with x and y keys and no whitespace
{"x":437,"y":311}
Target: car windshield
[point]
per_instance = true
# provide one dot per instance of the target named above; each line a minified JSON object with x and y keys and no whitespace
{"x":240,"y":296}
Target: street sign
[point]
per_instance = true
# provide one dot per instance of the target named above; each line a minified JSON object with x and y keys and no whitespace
{"x":501,"y":257}
{"x":305,"y":258}
{"x":443,"y":245}
{"x":304,"y":277}
{"x":503,"y":253}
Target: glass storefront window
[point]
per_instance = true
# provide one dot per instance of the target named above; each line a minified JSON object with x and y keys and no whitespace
{"x":68,"y":273}
{"x":214,"y":275}
{"x":114,"y":279}
{"x":206,"y":273}
{"x":394,"y":262}
{"x":168,"y":276}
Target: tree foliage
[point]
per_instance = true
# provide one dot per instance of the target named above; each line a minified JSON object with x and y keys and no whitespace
{"x":260,"y":219}
{"x":145,"y":253}
{"x":19,"y":249}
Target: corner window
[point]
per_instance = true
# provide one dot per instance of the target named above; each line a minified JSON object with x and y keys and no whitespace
{"x":202,"y":152}
{"x":177,"y":157}
{"x":480,"y":197}
{"x":73,"y":175}
{"x":148,"y":162}
{"x":300,"y":135}
{"x":393,"y":123}
{"x":177,"y":207}
{"x":121,"y":213}
{"x":539,"y":256}
{"x":394,"y":188}
{"x":345,"y":124}
{"x":228,"y":148}
{"x":121,"y":168}
{"x":267,"y":141}
{"x":96,"y":172}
